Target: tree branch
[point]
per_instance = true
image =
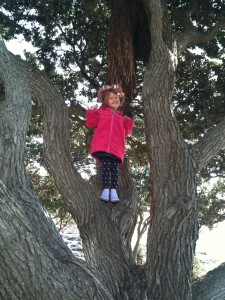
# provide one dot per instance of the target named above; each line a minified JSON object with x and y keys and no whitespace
{"x":155,"y":12}
{"x":73,"y":109}
{"x":210,"y":144}
{"x":210,"y":286}
{"x":192,"y":36}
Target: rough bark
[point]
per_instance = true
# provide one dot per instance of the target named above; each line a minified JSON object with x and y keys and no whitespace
{"x":211,"y":286}
{"x":35,"y":263}
{"x":174,"y":165}
{"x":105,"y":229}
{"x":108,"y":250}
{"x":31,"y":248}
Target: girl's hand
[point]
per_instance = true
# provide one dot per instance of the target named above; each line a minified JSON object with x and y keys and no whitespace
{"x":94,"y":107}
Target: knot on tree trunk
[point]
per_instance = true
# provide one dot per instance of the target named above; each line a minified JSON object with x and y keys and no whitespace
{"x":184,"y":201}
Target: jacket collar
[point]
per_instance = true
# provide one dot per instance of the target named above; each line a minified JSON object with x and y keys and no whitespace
{"x":108,"y":109}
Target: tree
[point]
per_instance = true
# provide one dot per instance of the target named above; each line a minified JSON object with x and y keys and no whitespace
{"x":32,"y":249}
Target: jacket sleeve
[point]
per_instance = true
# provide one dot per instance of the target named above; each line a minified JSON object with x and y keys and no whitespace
{"x":128,"y":125}
{"x":92,"y":118}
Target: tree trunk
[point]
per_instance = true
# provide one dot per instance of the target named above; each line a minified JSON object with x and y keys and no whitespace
{"x":173,"y":229}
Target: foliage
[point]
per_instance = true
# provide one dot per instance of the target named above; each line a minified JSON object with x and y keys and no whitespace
{"x":50,"y":198}
{"x":211,"y":204}
{"x":199,"y":98}
{"x":75,"y":58}
{"x":141,"y":256}
{"x":198,"y":269}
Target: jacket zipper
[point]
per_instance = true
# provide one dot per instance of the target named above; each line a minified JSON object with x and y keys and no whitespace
{"x":110,"y":133}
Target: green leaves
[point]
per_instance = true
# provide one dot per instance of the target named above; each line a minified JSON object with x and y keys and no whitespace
{"x":72,"y":44}
{"x":211,"y":204}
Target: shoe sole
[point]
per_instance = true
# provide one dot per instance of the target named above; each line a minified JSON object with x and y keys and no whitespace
{"x":106,"y":200}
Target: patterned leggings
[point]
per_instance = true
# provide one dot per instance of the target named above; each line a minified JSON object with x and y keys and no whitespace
{"x":110,"y":173}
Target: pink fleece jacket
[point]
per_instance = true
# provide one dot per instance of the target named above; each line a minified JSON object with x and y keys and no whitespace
{"x":111,"y":130}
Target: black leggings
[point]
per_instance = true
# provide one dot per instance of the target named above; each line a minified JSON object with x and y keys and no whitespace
{"x":110,"y":172}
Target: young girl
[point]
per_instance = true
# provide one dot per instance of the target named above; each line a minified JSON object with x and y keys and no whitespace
{"x":108,"y":144}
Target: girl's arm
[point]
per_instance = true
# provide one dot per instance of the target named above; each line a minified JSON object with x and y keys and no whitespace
{"x":128,"y":125}
{"x":92,"y":117}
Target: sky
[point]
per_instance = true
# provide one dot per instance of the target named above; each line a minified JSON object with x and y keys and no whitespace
{"x":210,"y":245}
{"x":18,"y":45}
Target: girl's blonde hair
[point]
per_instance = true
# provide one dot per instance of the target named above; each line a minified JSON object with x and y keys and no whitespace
{"x":103,"y":94}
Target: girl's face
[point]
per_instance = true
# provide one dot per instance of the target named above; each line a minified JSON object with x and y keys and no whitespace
{"x":113,"y":101}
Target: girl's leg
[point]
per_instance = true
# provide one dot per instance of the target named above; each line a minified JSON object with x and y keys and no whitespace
{"x":106,"y":173}
{"x":105,"y":179}
{"x":114,"y":173}
{"x":110,"y":179}
{"x":114,"y":180}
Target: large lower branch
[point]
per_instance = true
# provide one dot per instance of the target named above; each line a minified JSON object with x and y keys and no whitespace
{"x":210,"y":286}
{"x":27,"y":261}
